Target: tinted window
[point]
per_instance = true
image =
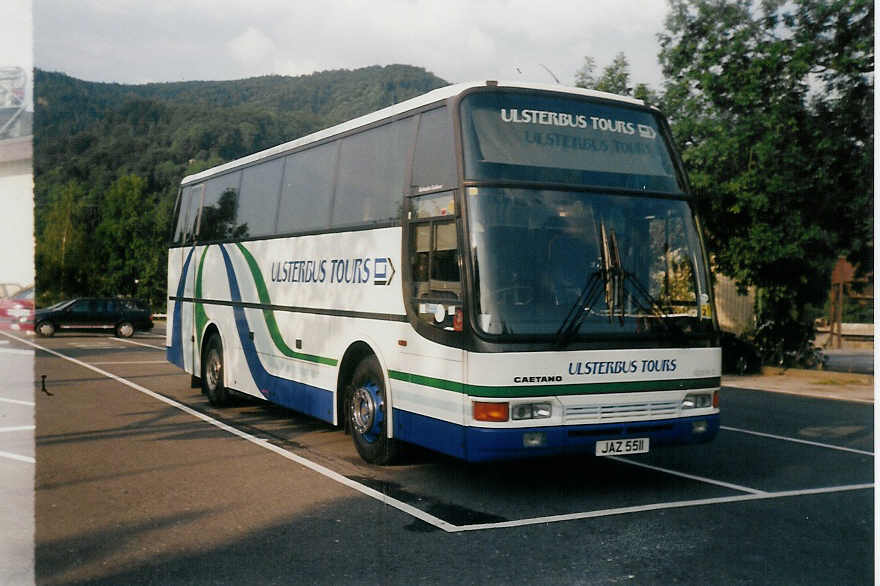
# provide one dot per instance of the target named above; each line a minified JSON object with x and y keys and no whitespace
{"x":82,"y":306}
{"x":307,"y":189}
{"x":180,"y":214}
{"x":186,"y":219}
{"x":434,"y":163}
{"x":258,"y":201}
{"x":371,"y":174}
{"x":220,"y":207}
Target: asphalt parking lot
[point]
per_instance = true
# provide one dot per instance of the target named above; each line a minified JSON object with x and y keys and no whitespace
{"x":139,"y":480}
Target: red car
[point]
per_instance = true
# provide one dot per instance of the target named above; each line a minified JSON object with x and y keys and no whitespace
{"x":17,"y":311}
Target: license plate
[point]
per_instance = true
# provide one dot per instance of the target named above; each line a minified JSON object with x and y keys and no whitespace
{"x":619,"y":447}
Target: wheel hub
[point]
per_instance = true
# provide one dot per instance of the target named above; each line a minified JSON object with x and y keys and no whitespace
{"x":366,"y":411}
{"x":213,"y":369}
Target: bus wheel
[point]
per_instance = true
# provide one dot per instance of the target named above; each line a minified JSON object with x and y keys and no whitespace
{"x":212,"y":372}
{"x":45,"y":329}
{"x":124,"y":330}
{"x":367,"y":414}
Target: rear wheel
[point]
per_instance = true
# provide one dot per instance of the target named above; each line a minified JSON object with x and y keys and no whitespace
{"x":367,"y":411}
{"x":212,"y":372}
{"x":124,"y":330}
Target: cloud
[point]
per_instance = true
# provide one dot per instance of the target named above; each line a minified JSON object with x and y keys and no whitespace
{"x":252,"y":48}
{"x":458,"y":40}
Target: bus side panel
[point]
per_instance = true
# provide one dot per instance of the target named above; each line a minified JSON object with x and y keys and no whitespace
{"x":431,"y":433}
{"x":179,"y":317}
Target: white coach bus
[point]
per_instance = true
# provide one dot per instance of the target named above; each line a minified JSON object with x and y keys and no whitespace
{"x":489,"y":270}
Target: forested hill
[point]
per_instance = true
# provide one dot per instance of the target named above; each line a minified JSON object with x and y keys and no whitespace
{"x":108,"y":158}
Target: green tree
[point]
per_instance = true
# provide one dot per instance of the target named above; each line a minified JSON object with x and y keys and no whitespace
{"x":771,"y":105}
{"x":615,"y":79}
{"x":61,"y":247}
{"x":128,"y":238}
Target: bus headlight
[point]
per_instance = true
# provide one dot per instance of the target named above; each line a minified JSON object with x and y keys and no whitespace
{"x":697,"y":401}
{"x":531,"y":411}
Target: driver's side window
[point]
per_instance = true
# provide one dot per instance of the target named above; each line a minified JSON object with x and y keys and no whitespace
{"x":80,"y":307}
{"x":434,"y":260}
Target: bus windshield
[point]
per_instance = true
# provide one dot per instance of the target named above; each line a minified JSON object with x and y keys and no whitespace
{"x":551,"y":139}
{"x":575,"y":265}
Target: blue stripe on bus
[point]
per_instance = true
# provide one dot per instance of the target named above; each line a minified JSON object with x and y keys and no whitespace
{"x":477,"y":444}
{"x":301,"y":397}
{"x":174,"y":352}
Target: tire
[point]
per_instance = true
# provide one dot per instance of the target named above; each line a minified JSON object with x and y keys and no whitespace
{"x":212,"y":373}
{"x":366,"y":411}
{"x":45,"y":329}
{"x":124,"y":329}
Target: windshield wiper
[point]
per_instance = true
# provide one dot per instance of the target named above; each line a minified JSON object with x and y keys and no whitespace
{"x":607,"y":276}
{"x":613,"y":278}
{"x":648,"y":303}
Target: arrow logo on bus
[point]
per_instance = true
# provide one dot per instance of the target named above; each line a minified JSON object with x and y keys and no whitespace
{"x":383,"y":271}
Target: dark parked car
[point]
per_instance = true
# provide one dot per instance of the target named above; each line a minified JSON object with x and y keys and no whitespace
{"x":120,"y":316}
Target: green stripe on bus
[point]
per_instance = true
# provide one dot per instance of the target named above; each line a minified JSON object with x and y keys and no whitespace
{"x":269,"y":315}
{"x":548,"y":390}
{"x":437,"y":383}
{"x":201,"y":315}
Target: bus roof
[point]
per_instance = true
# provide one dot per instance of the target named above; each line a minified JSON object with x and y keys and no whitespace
{"x":433,"y":96}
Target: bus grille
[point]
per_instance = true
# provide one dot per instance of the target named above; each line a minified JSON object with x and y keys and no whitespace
{"x":652,"y":410}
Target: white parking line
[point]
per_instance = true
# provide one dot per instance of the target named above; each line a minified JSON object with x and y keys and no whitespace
{"x":797,"y":441}
{"x":385,"y":499}
{"x":18,"y":428}
{"x":12,"y":456}
{"x":661,"y":507}
{"x":435,"y":521}
{"x":139,"y":343}
{"x":688,"y":476}
{"x":16,"y":351}
{"x":17,"y":402}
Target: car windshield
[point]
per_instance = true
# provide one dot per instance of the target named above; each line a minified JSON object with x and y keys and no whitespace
{"x":566,"y":265}
{"x":59,"y":305}
{"x":27,"y":293}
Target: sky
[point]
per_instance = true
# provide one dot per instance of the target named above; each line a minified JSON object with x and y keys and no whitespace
{"x":139,"y":41}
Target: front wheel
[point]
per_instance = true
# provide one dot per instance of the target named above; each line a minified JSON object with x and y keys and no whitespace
{"x":212,"y":373}
{"x":367,"y":411}
{"x":45,"y":329}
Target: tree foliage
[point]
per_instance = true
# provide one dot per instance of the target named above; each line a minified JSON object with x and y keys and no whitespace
{"x":772,"y":106}
{"x":615,"y":79}
{"x":108,"y":159}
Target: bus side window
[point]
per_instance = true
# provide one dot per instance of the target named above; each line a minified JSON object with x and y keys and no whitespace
{"x":372,"y":166}
{"x":258,"y":200}
{"x":220,"y":209}
{"x":307,"y":189}
{"x":434,"y":162}
{"x":191,"y":199}
{"x":180,"y":210}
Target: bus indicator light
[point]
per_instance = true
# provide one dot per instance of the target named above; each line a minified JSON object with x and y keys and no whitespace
{"x":484,"y":411}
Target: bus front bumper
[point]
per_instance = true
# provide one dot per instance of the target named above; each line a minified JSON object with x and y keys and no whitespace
{"x":483,"y":444}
